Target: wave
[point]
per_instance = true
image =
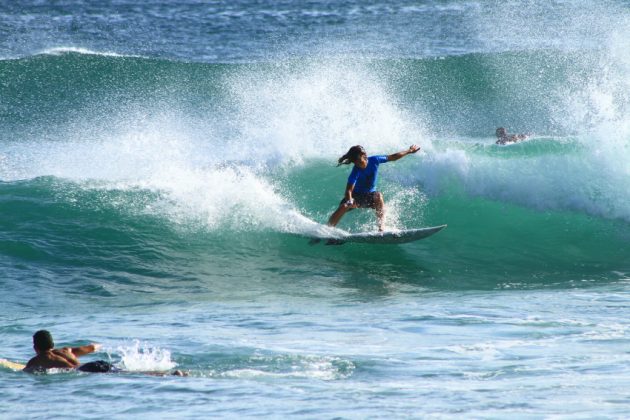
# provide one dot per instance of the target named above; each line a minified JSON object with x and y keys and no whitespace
{"x":177,"y":127}
{"x":543,"y":91}
{"x":61,"y":50}
{"x":127,"y":236}
{"x":240,"y":151}
{"x":84,"y":51}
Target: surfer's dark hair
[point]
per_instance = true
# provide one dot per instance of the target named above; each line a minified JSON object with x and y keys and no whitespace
{"x":42,"y":340}
{"x":352,"y":156}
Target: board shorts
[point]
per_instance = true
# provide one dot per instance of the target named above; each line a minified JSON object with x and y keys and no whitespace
{"x":363,"y":200}
{"x":100,"y":366}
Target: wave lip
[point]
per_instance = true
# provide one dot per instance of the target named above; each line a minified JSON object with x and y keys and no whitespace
{"x":85,"y":51}
{"x":66,"y":50}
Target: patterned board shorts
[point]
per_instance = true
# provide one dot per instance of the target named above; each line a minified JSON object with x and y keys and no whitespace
{"x":363,"y":200}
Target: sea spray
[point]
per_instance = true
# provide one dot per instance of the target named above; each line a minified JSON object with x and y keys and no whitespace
{"x":140,"y":357}
{"x":254,"y":150}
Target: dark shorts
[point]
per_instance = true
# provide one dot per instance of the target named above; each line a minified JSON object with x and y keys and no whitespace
{"x":100,"y":366}
{"x":363,"y":200}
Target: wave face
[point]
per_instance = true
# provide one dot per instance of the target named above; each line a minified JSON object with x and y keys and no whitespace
{"x":152,"y":150}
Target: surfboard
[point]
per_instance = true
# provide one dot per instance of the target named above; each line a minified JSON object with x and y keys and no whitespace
{"x":7,"y":364}
{"x":387,"y":237}
{"x":11,"y":365}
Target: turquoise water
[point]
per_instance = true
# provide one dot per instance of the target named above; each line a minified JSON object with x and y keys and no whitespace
{"x":162,"y":165}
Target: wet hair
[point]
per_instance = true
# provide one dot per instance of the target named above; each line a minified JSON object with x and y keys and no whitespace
{"x":501,"y":132}
{"x":42,"y":340}
{"x":352,"y":156}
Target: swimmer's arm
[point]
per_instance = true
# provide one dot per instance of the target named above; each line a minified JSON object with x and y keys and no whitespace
{"x":412,"y":149}
{"x":83,"y":350}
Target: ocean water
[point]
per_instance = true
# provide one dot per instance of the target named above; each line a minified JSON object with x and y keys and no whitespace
{"x":162,"y":165}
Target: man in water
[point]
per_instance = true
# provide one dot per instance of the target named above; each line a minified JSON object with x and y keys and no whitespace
{"x":48,"y":357}
{"x":504,"y":138}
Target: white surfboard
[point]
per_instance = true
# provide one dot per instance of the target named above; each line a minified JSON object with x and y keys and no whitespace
{"x":387,"y":237}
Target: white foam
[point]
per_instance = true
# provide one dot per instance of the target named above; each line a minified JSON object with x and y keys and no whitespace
{"x":139,"y":357}
{"x":319,"y":112}
{"x":323,"y":368}
{"x":80,"y":50}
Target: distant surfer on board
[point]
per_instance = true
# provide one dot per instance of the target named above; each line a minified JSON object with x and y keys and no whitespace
{"x":361,"y":188}
{"x":504,"y":138}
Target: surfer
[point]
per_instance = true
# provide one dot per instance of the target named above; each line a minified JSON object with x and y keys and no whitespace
{"x":504,"y":138}
{"x":361,"y":188}
{"x":48,"y":357}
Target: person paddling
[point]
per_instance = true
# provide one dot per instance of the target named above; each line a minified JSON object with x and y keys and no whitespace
{"x":361,"y":188}
{"x":48,"y":357}
{"x":504,"y":138}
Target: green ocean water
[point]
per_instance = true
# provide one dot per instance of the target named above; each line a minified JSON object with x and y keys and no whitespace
{"x":131,"y":159}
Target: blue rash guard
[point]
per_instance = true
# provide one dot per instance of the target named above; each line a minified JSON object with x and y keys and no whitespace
{"x":364,"y":180}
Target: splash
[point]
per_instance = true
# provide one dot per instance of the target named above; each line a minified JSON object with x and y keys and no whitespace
{"x":139,"y":357}
{"x":295,"y":113}
{"x":223,"y":169}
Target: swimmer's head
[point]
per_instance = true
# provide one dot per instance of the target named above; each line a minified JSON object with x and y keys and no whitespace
{"x":43,"y":341}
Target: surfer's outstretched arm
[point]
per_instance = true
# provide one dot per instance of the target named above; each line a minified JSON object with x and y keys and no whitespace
{"x":83,"y":350}
{"x":412,"y":149}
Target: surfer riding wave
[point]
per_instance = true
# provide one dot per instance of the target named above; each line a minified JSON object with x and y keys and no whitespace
{"x":361,"y":187}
